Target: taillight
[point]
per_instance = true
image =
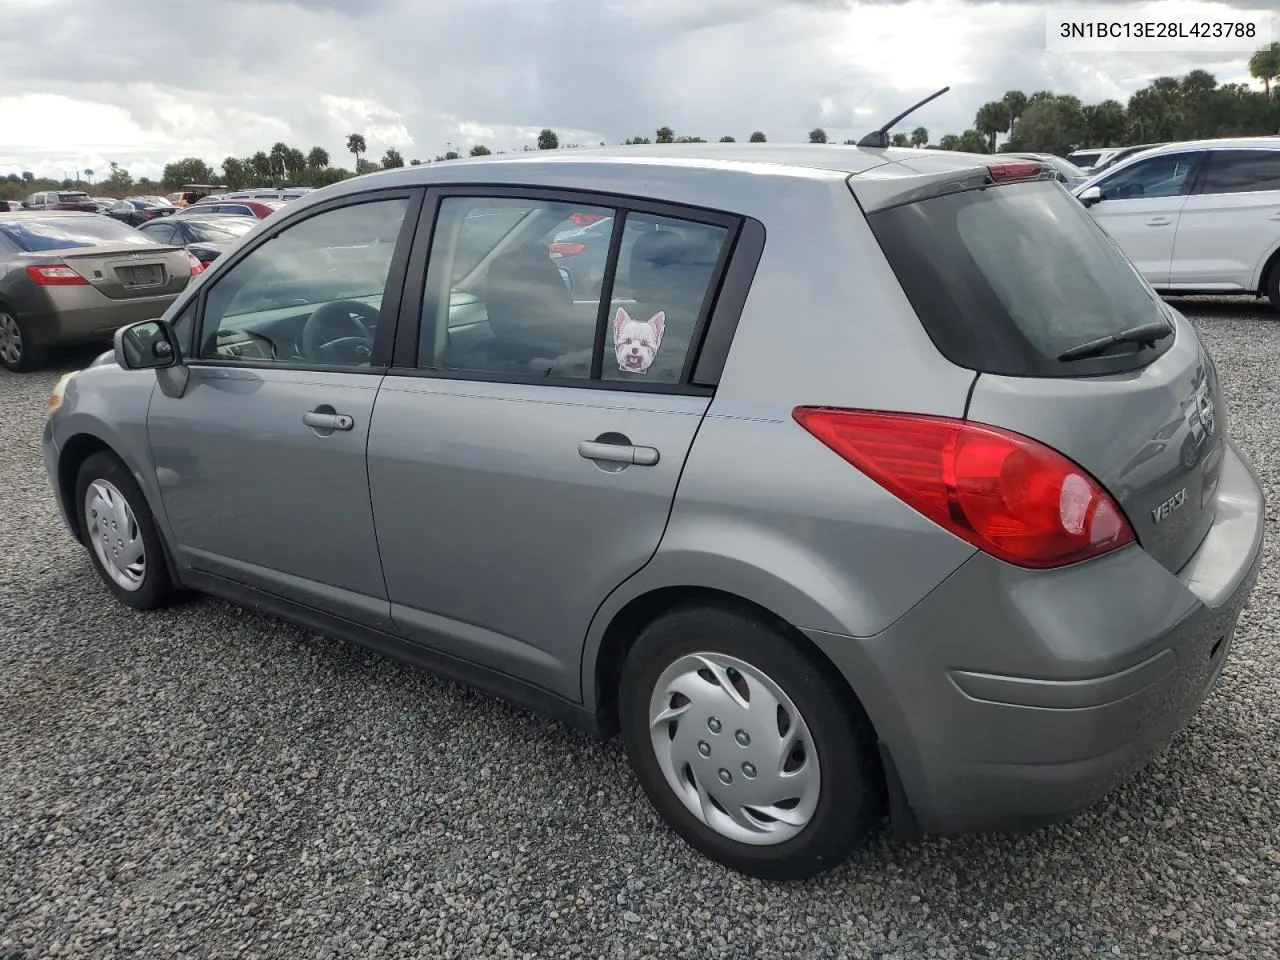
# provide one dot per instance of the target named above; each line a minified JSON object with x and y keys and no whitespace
{"x":56,"y":275}
{"x":567,"y":249}
{"x":586,"y":219}
{"x":1002,"y":170}
{"x":1006,"y":494}
{"x":197,"y":266}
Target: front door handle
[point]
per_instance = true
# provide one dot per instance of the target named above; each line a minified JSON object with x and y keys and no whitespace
{"x":1159,"y":222}
{"x":327,"y":421}
{"x":1274,"y":216}
{"x":618,"y":453}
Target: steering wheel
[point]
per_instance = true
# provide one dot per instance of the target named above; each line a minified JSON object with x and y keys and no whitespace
{"x":338,"y":332}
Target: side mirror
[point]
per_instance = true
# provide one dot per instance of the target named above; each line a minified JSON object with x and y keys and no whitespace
{"x":1090,"y":195}
{"x":147,"y":345}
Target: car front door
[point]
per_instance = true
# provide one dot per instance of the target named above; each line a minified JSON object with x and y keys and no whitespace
{"x":1140,"y":206}
{"x":1230,"y":223}
{"x":261,"y":460}
{"x":526,"y":446}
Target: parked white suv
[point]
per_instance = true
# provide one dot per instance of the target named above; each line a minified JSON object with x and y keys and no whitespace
{"x":1197,"y":217}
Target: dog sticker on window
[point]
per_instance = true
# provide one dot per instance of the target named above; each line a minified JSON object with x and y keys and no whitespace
{"x":636,"y":342}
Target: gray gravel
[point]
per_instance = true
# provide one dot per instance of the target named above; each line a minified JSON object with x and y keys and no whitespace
{"x":209,"y":782}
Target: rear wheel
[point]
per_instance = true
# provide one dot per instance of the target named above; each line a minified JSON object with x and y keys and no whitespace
{"x":121,"y":535}
{"x":17,"y":352}
{"x":747,"y":746}
{"x":1273,"y":284}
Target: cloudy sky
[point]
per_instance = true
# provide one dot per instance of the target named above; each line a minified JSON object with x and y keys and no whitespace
{"x":142,"y":82}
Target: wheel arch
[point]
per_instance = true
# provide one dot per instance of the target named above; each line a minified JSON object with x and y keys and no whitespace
{"x":1271,"y":263}
{"x":621,"y":624}
{"x":78,"y":447}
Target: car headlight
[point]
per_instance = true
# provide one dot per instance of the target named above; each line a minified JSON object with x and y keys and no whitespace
{"x":59,"y":389}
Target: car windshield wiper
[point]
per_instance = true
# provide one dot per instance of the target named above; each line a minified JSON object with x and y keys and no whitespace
{"x":1146,"y":334}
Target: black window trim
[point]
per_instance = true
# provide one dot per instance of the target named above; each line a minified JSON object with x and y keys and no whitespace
{"x":718,"y":316}
{"x":1189,"y":186}
{"x":1207,"y":163}
{"x":392,"y":293}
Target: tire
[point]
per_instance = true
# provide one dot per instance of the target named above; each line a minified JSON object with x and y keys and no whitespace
{"x":829,"y":820}
{"x":17,"y":352}
{"x":145,"y":585}
{"x":1273,"y":285}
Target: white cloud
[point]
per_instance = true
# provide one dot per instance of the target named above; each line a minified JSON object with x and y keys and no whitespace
{"x":149,"y":81}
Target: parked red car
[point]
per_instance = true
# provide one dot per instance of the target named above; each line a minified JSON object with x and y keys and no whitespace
{"x":253,"y":208}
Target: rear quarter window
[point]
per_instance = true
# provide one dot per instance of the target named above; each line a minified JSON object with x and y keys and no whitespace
{"x":1005,"y":279}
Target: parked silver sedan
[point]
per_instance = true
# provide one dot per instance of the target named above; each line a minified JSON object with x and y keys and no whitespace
{"x":867,"y":479}
{"x":71,"y":278}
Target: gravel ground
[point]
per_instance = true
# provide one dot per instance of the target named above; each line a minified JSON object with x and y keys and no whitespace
{"x":209,"y":782}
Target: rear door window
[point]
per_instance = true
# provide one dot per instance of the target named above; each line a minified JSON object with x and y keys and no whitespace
{"x":1241,"y":171}
{"x":1168,"y":175}
{"x":1005,"y":279}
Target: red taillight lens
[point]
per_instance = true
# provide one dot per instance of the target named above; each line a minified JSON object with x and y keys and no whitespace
{"x":56,"y":275}
{"x":586,"y":219}
{"x":1001,"y":170}
{"x":197,"y":265}
{"x":567,"y":249}
{"x":1006,"y":494}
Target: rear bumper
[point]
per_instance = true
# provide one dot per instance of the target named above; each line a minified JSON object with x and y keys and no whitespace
{"x":74,"y":315}
{"x":1010,"y":698}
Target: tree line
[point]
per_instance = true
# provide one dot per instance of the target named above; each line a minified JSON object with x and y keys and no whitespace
{"x":1191,"y":107}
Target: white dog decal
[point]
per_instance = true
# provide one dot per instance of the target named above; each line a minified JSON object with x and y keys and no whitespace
{"x":636,"y":342}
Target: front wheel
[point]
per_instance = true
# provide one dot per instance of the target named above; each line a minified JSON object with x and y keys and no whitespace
{"x":1273,"y":285}
{"x":121,"y":535}
{"x":747,"y":745}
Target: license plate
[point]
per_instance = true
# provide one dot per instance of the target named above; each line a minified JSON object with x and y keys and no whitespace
{"x":148,"y":275}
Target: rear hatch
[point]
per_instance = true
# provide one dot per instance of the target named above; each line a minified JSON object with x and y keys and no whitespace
{"x":117,"y":260}
{"x":1011,"y":280}
{"x":75,"y":201}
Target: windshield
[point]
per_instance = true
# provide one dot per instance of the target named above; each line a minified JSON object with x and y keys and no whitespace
{"x":34,"y":236}
{"x":1006,"y":278}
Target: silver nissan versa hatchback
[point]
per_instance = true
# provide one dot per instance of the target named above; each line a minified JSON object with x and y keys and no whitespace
{"x":870,"y":481}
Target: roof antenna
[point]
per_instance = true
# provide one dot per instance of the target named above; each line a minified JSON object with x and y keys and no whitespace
{"x":880,"y":138}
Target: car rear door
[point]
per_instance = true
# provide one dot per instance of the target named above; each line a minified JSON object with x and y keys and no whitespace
{"x":1140,"y":206}
{"x":1231,"y":222}
{"x":526,"y":446}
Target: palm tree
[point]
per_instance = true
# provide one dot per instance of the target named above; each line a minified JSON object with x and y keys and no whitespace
{"x":356,"y":146}
{"x":88,"y":175}
{"x":261,"y":164}
{"x":318,"y":158}
{"x":919,"y":137}
{"x":1265,"y":66}
{"x":992,"y":119}
{"x":1015,"y":102}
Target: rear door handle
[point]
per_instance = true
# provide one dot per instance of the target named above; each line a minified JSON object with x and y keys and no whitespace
{"x":328,"y":421}
{"x":618,"y":453}
{"x":1274,"y":216}
{"x":1159,"y":222}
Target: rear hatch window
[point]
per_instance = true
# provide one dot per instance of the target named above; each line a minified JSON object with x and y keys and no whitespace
{"x":73,"y":198}
{"x":36,"y":236}
{"x":1007,"y":278}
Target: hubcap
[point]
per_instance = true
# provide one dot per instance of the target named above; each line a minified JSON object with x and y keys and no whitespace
{"x":113,"y":531}
{"x":734,"y":748}
{"x":10,"y":339}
